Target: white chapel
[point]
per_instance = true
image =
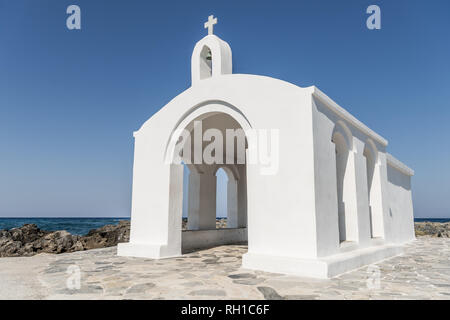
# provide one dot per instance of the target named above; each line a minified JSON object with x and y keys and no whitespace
{"x":330,"y":199}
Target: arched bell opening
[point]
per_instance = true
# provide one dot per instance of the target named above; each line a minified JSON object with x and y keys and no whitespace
{"x":205,"y":63}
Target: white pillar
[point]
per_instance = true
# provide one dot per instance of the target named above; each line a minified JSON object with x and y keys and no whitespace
{"x":360,"y":193}
{"x":242,"y":196}
{"x":175,"y":210}
{"x":376,"y":204}
{"x":378,"y":199}
{"x":156,"y":218}
{"x":193,"y":201}
{"x":350,"y":200}
{"x":202,"y":201}
{"x":232,"y":203}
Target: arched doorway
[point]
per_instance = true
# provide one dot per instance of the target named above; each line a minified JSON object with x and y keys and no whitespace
{"x":209,"y":143}
{"x":229,"y":192}
{"x":222,"y":195}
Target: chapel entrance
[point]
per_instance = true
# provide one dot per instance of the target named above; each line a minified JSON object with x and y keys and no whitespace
{"x":214,"y":182}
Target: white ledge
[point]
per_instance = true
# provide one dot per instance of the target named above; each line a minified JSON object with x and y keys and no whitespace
{"x":397,"y":164}
{"x":334,"y":107}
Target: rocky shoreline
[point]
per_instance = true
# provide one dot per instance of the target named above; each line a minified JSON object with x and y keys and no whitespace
{"x":29,"y":240}
{"x":433,"y":229}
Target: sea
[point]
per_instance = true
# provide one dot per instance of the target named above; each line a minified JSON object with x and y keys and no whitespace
{"x":441,"y":220}
{"x":78,"y":226}
{"x":81,"y":226}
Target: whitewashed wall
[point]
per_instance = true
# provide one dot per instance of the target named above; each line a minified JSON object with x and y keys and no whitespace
{"x":400,"y":201}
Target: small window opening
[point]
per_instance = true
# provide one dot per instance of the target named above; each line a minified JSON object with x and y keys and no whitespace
{"x":205,"y":63}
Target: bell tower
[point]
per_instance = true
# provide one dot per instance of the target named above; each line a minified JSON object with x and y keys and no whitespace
{"x":211,"y":56}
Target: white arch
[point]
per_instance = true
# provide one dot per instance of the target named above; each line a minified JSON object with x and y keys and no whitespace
{"x":200,"y":112}
{"x":341,"y":127}
{"x":230,"y":170}
{"x":232,"y":195}
{"x":372,"y":148}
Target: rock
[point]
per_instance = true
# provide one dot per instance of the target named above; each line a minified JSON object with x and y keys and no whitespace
{"x":220,"y":223}
{"x":29,"y":240}
{"x":58,"y":242}
{"x":107,"y":236}
{"x":433,"y":229}
{"x":10,"y":248}
{"x":16,"y":234}
{"x":28,"y":249}
{"x":78,"y":246}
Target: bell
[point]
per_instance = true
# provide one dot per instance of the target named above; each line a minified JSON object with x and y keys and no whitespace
{"x":209,"y":56}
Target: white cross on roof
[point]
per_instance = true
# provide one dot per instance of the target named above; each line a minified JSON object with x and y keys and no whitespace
{"x":210,"y":24}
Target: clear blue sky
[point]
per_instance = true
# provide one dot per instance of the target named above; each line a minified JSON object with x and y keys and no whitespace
{"x":70,"y":100}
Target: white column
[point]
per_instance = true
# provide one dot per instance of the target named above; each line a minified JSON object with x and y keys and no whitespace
{"x":376,"y":204}
{"x":350,"y":199}
{"x":156,"y":215}
{"x":202,"y":201}
{"x":360,"y":193}
{"x":193,"y":201}
{"x":242,"y":196}
{"x":378,"y":199}
{"x":232,"y":203}
{"x":175,"y":210}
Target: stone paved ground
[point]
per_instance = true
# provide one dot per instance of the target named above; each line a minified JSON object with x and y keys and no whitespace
{"x":423,"y":272}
